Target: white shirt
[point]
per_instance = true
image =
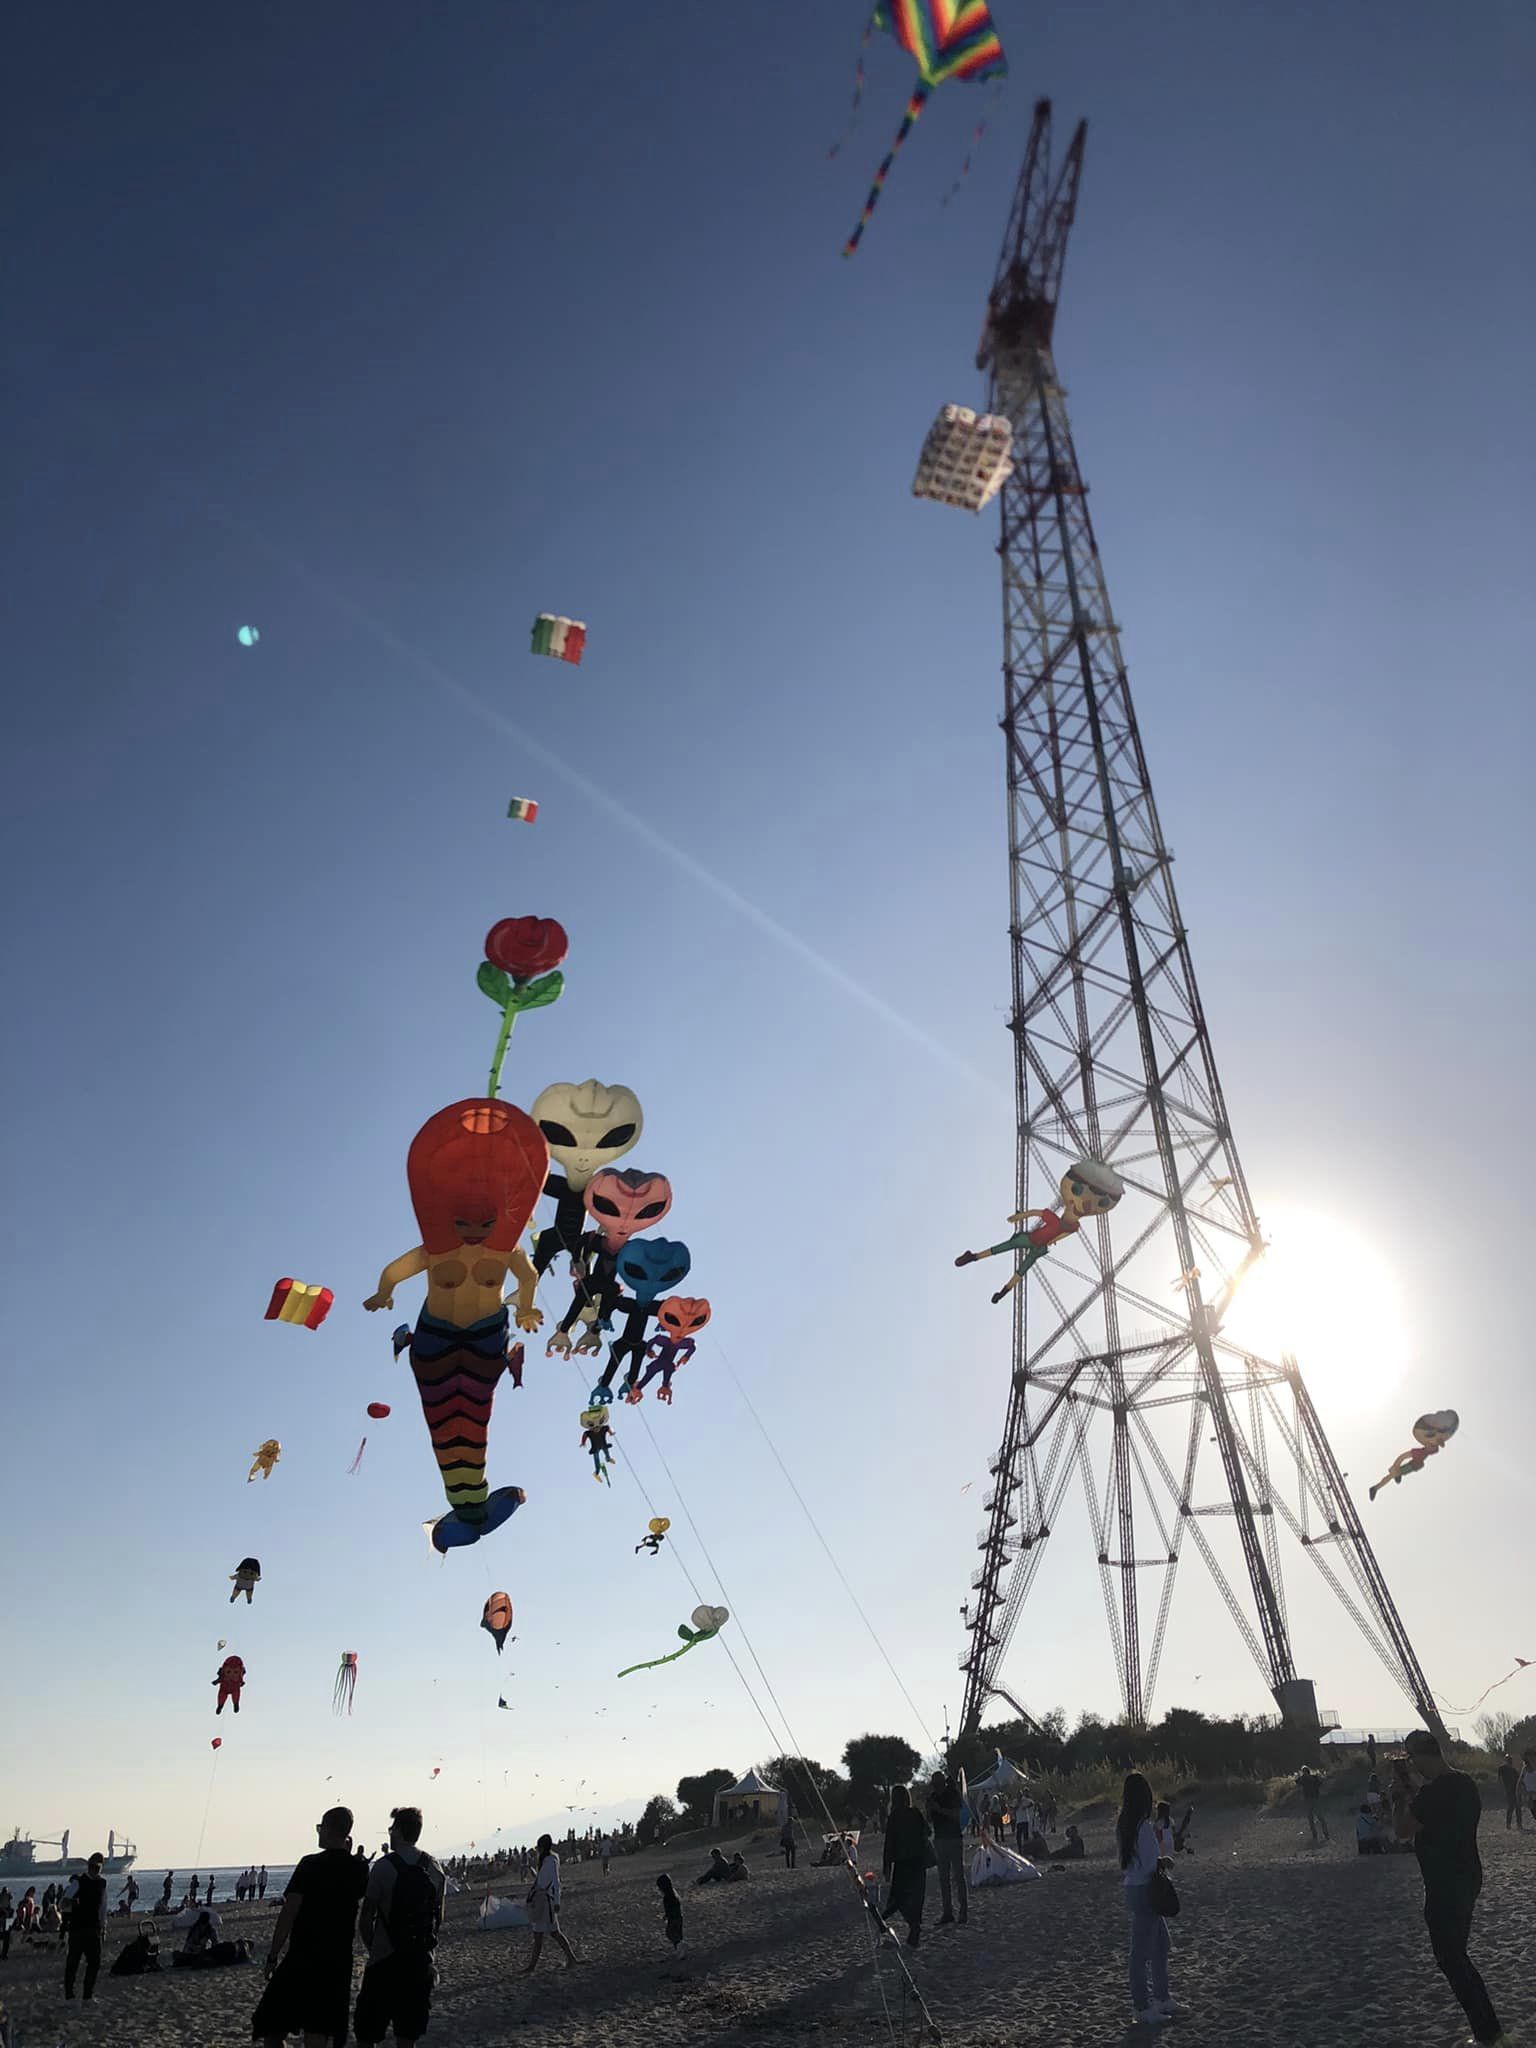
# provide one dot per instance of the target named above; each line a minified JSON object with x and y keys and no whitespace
{"x":1528,"y":1784}
{"x":1143,"y":1865}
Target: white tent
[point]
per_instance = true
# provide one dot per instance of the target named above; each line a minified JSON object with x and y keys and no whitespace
{"x":1003,"y":1778}
{"x":752,"y":1800}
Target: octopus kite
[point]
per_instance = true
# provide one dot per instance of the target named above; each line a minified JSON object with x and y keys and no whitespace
{"x":475,"y":1172}
{"x":1088,"y":1188}
{"x":266,"y":1457}
{"x":1431,"y":1435}
{"x":230,"y":1680}
{"x":345,"y":1688}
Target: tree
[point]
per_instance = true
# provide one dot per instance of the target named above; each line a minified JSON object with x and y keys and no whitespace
{"x":1494,"y":1730}
{"x":809,"y":1786}
{"x":696,"y":1796}
{"x":874,"y":1761}
{"x":656,"y":1821}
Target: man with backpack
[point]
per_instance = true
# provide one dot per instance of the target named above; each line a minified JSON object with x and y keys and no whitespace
{"x":402,"y":1912}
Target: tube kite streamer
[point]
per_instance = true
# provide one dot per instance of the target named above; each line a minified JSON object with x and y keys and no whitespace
{"x":1431,"y":1434}
{"x":945,"y":39}
{"x":294,"y":1302}
{"x":475,"y":1172}
{"x":346,"y":1682}
{"x":707,"y":1623}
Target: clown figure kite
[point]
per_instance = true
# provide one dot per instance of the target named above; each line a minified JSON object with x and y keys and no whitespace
{"x":1088,"y":1188}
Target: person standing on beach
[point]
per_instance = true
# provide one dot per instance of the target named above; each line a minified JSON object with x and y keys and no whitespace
{"x":905,"y":1863}
{"x":7,"y":1915}
{"x":606,"y":1851}
{"x":402,"y":1913}
{"x":945,"y":1811}
{"x":1310,"y":1785}
{"x":1439,"y":1816}
{"x":165,"y":1892}
{"x":1528,"y":1781}
{"x":1509,"y":1784}
{"x":309,"y":1990}
{"x":671,"y":1914}
{"x":87,"y":1925}
{"x":261,"y":1882}
{"x":787,"y":1844}
{"x":544,"y":1906}
{"x":1140,"y":1860}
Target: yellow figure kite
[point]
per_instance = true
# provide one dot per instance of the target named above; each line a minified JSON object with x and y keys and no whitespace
{"x":266,"y":1457}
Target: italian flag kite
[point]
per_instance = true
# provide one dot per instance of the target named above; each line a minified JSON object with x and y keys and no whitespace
{"x":565,"y":639}
{"x":524,"y":807}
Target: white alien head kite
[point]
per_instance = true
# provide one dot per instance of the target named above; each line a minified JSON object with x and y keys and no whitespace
{"x":707,"y":1622}
{"x":965,"y":460}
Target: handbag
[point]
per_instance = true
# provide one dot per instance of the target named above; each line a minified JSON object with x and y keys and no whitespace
{"x":1163,"y":1895}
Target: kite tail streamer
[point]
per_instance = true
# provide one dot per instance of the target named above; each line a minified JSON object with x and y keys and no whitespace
{"x":359,"y":1458}
{"x":980,"y":131}
{"x":915,"y":106}
{"x":858,"y":92}
{"x":456,"y":1373}
{"x":671,"y":1659}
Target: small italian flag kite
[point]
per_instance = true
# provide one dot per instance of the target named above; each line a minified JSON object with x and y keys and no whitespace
{"x":565,"y":639}
{"x":524,"y":807}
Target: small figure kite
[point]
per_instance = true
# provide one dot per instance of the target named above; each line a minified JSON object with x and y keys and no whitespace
{"x":1431,"y":1434}
{"x":475,"y":1171}
{"x":658,"y":1527}
{"x":597,"y":1437}
{"x":497,"y":1619}
{"x":293,"y":1301}
{"x":230,"y":1679}
{"x":946,"y":39}
{"x":707,"y":1623}
{"x":565,"y":639}
{"x":523,"y":809}
{"x":266,"y":1457}
{"x":1088,"y":1188}
{"x":673,"y":1345}
{"x":346,"y":1682}
{"x":247,"y":1577}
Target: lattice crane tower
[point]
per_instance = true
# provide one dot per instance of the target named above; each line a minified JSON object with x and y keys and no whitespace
{"x":1123,"y":1370}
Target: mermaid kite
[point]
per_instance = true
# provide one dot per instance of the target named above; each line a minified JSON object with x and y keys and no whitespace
{"x":475,"y":1172}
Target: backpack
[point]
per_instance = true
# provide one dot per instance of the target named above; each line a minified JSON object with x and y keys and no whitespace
{"x":412,"y":1920}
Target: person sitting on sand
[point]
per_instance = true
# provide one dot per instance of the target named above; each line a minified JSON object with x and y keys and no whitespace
{"x":738,"y":1871}
{"x":1072,"y":1849}
{"x":1370,"y":1833}
{"x":201,"y":1938}
{"x":718,"y":1872}
{"x":671,"y":1914}
{"x":140,"y":1955}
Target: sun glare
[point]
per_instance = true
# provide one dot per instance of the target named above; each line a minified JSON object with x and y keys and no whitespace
{"x":1324,"y":1292}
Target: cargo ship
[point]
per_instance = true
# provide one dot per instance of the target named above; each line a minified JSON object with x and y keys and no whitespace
{"x":19,"y":1857}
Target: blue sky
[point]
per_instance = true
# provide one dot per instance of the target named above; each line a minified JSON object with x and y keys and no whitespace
{"x":385,"y":330}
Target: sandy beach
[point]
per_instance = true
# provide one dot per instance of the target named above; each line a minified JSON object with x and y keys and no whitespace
{"x":1278,"y":1942}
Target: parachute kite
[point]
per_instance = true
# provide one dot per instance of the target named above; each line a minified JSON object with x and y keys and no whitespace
{"x":266,"y":1457}
{"x":524,"y":809}
{"x":520,"y":971}
{"x":707,"y":1622}
{"x":247,"y":1577}
{"x":475,"y":1171}
{"x":217,"y":1742}
{"x":679,"y":1316}
{"x":597,"y":1437}
{"x":1088,"y":1188}
{"x":379,"y":1409}
{"x":565,"y":639}
{"x":965,"y":460}
{"x":247,"y":636}
{"x":657,"y":1528}
{"x":497,"y":1619}
{"x":294,"y":1302}
{"x":1431,"y":1433}
{"x":230,"y":1678}
{"x":946,"y":39}
{"x":346,"y":1682}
